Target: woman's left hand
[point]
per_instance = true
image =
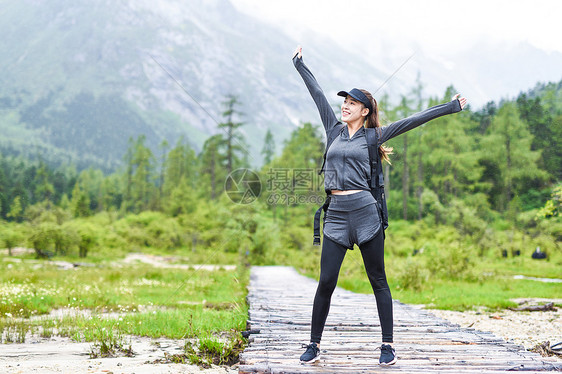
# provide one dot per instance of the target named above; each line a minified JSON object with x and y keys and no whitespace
{"x":462,"y":100}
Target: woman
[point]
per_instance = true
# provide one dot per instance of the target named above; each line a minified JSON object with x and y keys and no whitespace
{"x":352,"y":216}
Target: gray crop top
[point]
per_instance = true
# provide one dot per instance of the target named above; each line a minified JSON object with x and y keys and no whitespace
{"x":347,"y":160}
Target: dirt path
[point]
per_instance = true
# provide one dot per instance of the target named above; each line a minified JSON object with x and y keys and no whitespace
{"x":525,"y":328}
{"x":62,"y":355}
{"x":166,"y":262}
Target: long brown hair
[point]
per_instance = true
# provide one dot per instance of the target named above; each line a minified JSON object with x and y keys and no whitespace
{"x":372,"y":121}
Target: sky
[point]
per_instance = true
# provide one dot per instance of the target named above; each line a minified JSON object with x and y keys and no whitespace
{"x":436,"y":26}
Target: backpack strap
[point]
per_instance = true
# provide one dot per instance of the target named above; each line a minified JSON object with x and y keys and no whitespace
{"x":377,"y":176}
{"x":372,"y":142}
{"x":331,"y":136}
{"x":324,"y":207}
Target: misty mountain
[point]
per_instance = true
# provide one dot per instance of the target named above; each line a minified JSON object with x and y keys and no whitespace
{"x":79,"y":79}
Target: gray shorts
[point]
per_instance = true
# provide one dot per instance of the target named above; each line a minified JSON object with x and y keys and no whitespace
{"x":352,"y":219}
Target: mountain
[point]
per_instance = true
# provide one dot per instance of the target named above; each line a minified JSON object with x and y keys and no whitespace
{"x":486,"y":71}
{"x":80,"y":78}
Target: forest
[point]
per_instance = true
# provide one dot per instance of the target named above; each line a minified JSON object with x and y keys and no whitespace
{"x":488,"y":179}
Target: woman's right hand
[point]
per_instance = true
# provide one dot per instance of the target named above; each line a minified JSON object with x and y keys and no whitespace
{"x":298,"y":52}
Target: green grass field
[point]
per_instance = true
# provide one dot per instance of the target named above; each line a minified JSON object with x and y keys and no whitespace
{"x":448,"y":282}
{"x":110,"y":300}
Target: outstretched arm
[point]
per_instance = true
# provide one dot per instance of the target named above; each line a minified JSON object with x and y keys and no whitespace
{"x":327,"y":115}
{"x":415,"y":120}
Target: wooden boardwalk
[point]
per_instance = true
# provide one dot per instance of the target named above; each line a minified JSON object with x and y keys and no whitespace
{"x":280,"y":308}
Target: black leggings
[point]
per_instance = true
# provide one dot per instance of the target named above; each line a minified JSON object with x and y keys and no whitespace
{"x":330,"y":264}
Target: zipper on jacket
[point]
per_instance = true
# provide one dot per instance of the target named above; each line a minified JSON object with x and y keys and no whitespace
{"x":345,"y":162}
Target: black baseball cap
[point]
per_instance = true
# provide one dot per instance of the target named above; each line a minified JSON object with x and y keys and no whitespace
{"x":359,"y":96}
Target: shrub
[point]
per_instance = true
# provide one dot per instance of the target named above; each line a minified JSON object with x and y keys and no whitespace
{"x":413,"y":275}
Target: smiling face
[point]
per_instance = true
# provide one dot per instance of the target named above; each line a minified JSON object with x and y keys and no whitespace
{"x":353,"y":110}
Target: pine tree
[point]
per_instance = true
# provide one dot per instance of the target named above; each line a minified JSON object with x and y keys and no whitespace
{"x":140,"y":189}
{"x":180,"y":179}
{"x":545,"y":128}
{"x":164,"y":146}
{"x":403,"y":110}
{"x":80,"y":202}
{"x":44,"y":189}
{"x":232,"y":142}
{"x":212,"y":165}
{"x":268,"y":150}
{"x":16,"y":209}
{"x":508,"y":147}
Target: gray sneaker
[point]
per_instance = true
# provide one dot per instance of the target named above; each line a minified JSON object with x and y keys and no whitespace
{"x":312,"y":353}
{"x":388,"y":355}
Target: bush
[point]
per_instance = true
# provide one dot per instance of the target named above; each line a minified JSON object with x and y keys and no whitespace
{"x":41,"y":239}
{"x":294,"y":237}
{"x":266,"y":244}
{"x":413,"y":275}
{"x":451,"y":262}
{"x":165,"y":233}
{"x":10,"y":236}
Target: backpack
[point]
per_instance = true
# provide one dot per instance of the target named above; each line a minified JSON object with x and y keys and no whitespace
{"x":376,"y":181}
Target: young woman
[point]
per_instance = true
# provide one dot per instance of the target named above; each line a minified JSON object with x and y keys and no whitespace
{"x":352,"y":216}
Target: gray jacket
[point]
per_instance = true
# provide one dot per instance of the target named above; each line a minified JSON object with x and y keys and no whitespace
{"x":347,"y":160}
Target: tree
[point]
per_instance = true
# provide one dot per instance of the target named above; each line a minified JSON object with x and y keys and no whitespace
{"x":86,"y":239}
{"x":129,"y":165}
{"x":111,"y":192}
{"x":447,"y":160}
{"x":11,"y":238}
{"x":63,"y":238}
{"x":508,"y":146}
{"x":16,"y":210}
{"x":212,"y":164}
{"x":484,"y":116}
{"x":232,"y":142}
{"x":80,"y":202}
{"x":403,"y":110}
{"x":304,"y":149}
{"x":41,"y":239}
{"x":180,"y":179}
{"x":546,"y":133}
{"x":180,"y":166}
{"x":139,"y":176}
{"x":164,"y":149}
{"x":44,"y":190}
{"x":268,"y":150}
{"x":90,"y":181}
{"x":295,"y":172}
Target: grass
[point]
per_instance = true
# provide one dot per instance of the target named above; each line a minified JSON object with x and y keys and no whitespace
{"x":28,"y":289}
{"x":171,"y":323}
{"x":13,"y":331}
{"x":109,"y":342}
{"x":209,"y":351}
{"x":455,"y":278}
{"x":104,"y":304}
{"x":464,"y":295}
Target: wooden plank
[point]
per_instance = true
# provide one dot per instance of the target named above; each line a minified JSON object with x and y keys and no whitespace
{"x":280,"y":308}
